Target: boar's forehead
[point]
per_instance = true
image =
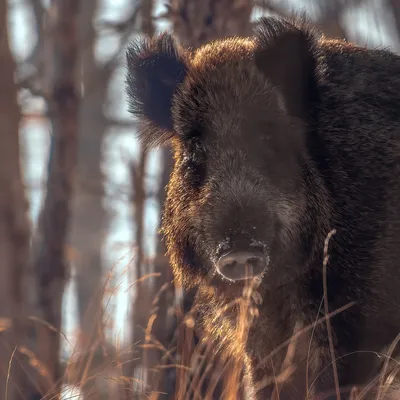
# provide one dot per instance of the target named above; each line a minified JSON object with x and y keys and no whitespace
{"x":223,"y":92}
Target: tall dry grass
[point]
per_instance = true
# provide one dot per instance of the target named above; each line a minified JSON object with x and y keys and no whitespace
{"x":99,"y":371}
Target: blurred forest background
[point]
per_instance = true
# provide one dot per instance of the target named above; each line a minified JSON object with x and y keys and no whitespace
{"x":88,"y":308}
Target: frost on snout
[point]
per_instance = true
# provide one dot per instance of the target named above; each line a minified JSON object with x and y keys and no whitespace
{"x":240,"y":265}
{"x":238,"y":260}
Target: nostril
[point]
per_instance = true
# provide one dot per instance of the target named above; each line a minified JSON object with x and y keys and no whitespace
{"x":254,"y":261}
{"x":227,"y":263}
{"x":241,"y":265}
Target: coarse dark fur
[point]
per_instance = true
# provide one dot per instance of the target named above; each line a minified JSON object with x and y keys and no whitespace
{"x":279,"y":138}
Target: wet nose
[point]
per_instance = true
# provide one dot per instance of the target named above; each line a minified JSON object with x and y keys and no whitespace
{"x":240,"y":265}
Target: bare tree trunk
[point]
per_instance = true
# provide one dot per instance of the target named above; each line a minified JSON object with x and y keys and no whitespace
{"x":89,"y":217}
{"x":50,"y":263}
{"x":164,"y":325}
{"x":144,"y":357}
{"x":143,"y":293}
{"x":14,"y":225}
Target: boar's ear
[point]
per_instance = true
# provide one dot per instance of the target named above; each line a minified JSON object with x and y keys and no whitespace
{"x":156,"y":67}
{"x":284,"y":53}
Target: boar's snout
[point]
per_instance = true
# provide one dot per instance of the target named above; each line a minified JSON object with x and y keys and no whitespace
{"x":239,"y":265}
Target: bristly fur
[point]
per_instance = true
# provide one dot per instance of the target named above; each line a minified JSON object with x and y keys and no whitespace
{"x":156,"y":66}
{"x":269,"y":29}
{"x":279,"y":138}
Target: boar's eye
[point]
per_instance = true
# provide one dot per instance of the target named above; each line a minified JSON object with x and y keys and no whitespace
{"x":194,"y":163}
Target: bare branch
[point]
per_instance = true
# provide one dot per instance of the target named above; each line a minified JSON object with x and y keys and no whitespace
{"x":31,"y":83}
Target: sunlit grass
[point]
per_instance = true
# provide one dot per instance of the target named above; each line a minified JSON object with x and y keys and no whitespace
{"x":199,"y":370}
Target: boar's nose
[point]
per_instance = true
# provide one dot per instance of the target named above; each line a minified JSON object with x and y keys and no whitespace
{"x":240,"y":265}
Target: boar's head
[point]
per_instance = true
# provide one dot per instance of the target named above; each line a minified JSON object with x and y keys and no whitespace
{"x":236,"y":112}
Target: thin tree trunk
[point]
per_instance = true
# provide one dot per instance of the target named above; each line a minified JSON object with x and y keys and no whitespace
{"x":89,"y":217}
{"x":50,"y":263}
{"x":143,"y":297}
{"x":164,"y":325}
{"x":14,"y":225}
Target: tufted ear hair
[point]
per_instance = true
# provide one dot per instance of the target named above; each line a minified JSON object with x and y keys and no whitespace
{"x":285,"y":54}
{"x":155,"y":69}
